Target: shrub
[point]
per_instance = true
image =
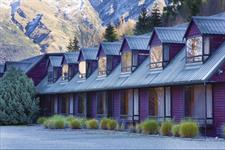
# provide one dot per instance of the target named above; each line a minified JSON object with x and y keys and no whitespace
{"x":111,"y":124}
{"x":188,"y":129}
{"x":175,"y":130}
{"x":150,"y":127}
{"x":18,"y":102}
{"x":70,"y":118}
{"x":83,"y":122}
{"x":92,"y":124}
{"x":166,"y":127}
{"x":120,"y":127}
{"x":74,"y":124}
{"x":55,"y":122}
{"x":59,"y":123}
{"x":103,"y":123}
{"x":41,"y":120}
{"x":131,"y":129}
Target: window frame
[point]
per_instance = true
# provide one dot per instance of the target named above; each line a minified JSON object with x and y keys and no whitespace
{"x":126,"y":68}
{"x":102,"y":72}
{"x":159,"y":64}
{"x":81,"y":102}
{"x":203,"y":57}
{"x":83,"y":75}
{"x":65,"y":75}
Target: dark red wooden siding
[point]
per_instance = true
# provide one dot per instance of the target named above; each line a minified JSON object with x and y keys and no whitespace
{"x":178,"y":110}
{"x":143,"y":95}
{"x":192,"y":30}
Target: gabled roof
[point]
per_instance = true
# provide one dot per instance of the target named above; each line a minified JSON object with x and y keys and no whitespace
{"x":23,"y":66}
{"x":88,"y":53}
{"x":137,"y":42}
{"x":56,"y":61}
{"x":71,"y":57}
{"x":111,"y":48}
{"x":169,"y":34}
{"x":210,"y":25}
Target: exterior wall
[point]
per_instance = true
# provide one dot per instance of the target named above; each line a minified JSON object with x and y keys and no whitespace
{"x":125,"y":46}
{"x":39,"y":71}
{"x":192,"y":30}
{"x":143,"y":99}
{"x":94,"y":105}
{"x":142,"y":55}
{"x":116,"y":61}
{"x":174,"y":49}
{"x":215,"y":42}
{"x":75,"y":104}
{"x":101,"y":52}
{"x":219,"y":107}
{"x":155,"y":40}
{"x":178,"y":103}
{"x":116,"y":104}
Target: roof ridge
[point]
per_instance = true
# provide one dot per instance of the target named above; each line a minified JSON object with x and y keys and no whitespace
{"x":208,"y":17}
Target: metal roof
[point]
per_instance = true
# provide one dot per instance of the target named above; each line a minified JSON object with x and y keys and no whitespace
{"x":137,"y":42}
{"x":56,"y":61}
{"x":170,"y":34}
{"x":111,"y":48}
{"x":23,"y":66}
{"x":177,"y":72}
{"x":210,"y":25}
{"x":71,"y":57}
{"x":89,"y":53}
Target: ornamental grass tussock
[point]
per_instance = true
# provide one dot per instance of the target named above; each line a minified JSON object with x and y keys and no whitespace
{"x":138,"y":128}
{"x":92,"y":124}
{"x":56,"y":122}
{"x":41,"y":120}
{"x":188,"y":129}
{"x":175,"y":130}
{"x":111,"y":124}
{"x":74,"y":124}
{"x":103,"y":123}
{"x":166,"y":127}
{"x":150,"y":127}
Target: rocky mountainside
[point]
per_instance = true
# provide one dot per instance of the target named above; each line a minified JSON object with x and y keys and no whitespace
{"x":38,"y":26}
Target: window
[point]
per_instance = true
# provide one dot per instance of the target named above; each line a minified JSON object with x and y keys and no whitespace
{"x":156,"y":57}
{"x":50,"y":74}
{"x":65,"y":71}
{"x":102,"y":66}
{"x":124,"y":103}
{"x":81,"y":104}
{"x":126,"y":62}
{"x":83,"y":69}
{"x":194,"y":49}
{"x":71,"y":72}
{"x":195,"y":102}
{"x":101,"y":103}
{"x":156,"y":102}
{"x":64,"y":105}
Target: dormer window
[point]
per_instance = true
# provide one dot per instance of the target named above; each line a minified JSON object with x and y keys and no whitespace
{"x":126,"y":61}
{"x":102,"y":66}
{"x":52,"y":74}
{"x":194,"y":49}
{"x":65,"y":72}
{"x":83,"y":69}
{"x":156,"y":57}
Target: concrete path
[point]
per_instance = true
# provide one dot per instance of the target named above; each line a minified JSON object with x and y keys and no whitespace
{"x":36,"y":137}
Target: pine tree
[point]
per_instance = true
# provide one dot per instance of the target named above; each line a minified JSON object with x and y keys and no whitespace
{"x":143,"y":24}
{"x":73,"y":45}
{"x":110,"y":34}
{"x":155,"y":18}
{"x":18,"y":102}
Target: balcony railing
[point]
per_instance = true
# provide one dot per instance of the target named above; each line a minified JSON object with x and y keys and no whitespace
{"x":126,"y":69}
{"x":196,"y":59}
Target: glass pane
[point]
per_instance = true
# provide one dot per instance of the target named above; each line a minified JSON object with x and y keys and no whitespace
{"x":65,"y":70}
{"x":126,"y":61}
{"x":194,"y":48}
{"x":102,"y":65}
{"x":82,"y":67}
{"x":156,"y":56}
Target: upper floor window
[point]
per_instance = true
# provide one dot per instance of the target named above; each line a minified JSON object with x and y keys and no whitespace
{"x":156,"y":57}
{"x":52,"y":74}
{"x":102,"y":67}
{"x":194,"y":49}
{"x":126,"y":61}
{"x":83,"y":69}
{"x":65,"y":72}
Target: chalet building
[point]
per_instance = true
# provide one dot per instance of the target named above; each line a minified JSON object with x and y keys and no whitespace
{"x":175,"y":72}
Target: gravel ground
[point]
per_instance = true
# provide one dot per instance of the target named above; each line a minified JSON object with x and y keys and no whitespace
{"x":36,"y":137}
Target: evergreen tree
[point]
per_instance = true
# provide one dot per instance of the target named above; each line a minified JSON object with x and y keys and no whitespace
{"x":110,"y":34}
{"x":155,"y":17}
{"x":18,"y":102}
{"x":143,"y":24}
{"x":73,"y":45}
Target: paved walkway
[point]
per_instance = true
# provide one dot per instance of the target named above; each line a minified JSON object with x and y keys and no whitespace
{"x":36,"y":137}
